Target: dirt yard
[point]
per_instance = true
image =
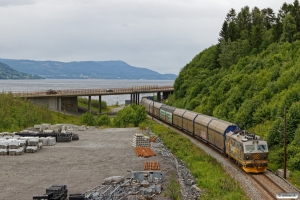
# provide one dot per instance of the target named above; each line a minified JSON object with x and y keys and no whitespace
{"x":81,"y":165}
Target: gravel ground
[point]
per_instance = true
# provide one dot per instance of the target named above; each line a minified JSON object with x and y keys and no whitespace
{"x":81,"y":165}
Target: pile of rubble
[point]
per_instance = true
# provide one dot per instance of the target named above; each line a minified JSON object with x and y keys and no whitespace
{"x":189,"y":189}
{"x":141,"y":185}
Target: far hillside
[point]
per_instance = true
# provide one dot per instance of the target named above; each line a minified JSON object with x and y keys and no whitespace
{"x":249,"y":76}
{"x":6,"y":72}
{"x":85,"y":70}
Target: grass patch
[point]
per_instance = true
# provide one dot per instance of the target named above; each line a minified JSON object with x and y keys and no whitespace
{"x":61,"y":118}
{"x":209,"y":174}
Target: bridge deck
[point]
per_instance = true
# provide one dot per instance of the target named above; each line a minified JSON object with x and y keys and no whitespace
{"x":91,"y":92}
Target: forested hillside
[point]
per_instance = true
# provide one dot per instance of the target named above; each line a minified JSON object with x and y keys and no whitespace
{"x":7,"y":72}
{"x":249,"y":76}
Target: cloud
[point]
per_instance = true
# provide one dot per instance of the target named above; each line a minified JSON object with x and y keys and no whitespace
{"x":4,"y":3}
{"x":159,"y":35}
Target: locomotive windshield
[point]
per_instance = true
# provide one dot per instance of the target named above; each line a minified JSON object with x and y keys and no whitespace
{"x":262,"y":147}
{"x":249,"y":148}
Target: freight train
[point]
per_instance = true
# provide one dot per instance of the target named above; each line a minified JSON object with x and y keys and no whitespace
{"x":248,"y":150}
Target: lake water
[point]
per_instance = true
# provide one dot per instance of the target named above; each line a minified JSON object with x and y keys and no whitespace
{"x":65,"y":84}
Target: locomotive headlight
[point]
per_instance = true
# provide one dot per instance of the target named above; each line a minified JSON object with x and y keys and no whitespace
{"x":247,"y":156}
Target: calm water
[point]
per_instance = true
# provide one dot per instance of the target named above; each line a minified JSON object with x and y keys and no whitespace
{"x":65,"y":84}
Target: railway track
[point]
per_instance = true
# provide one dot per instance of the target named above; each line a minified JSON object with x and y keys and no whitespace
{"x":268,"y":185}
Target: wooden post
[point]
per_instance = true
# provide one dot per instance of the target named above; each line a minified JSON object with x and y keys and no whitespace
{"x":284,"y":165}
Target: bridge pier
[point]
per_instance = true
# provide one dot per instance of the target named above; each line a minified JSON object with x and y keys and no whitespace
{"x":166,"y":95}
{"x":89,"y":104}
{"x":59,"y":104}
{"x":99,"y":104}
{"x":158,"y":96}
{"x":56,"y":103}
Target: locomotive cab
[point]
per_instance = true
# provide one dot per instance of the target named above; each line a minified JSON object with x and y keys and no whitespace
{"x":255,"y":156}
{"x":248,"y":150}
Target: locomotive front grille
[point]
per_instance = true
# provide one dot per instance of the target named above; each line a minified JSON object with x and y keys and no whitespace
{"x":256,"y":157}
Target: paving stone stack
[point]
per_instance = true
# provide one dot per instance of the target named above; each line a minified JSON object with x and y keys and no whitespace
{"x":3,"y":147}
{"x":48,"y":141}
{"x":139,"y":140}
{"x":14,"y":148}
{"x":34,"y":145}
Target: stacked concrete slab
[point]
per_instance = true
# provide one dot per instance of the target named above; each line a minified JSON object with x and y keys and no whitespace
{"x":139,"y":140}
{"x":34,"y":144}
{"x":48,"y":141}
{"x":3,"y":147}
{"x":15,"y":148}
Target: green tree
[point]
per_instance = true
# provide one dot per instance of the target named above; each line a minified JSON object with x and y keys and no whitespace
{"x":268,"y":18}
{"x":256,"y":36}
{"x":289,"y":28}
{"x":224,"y":31}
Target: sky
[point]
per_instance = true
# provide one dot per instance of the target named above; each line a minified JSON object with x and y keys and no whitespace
{"x":161,"y":35}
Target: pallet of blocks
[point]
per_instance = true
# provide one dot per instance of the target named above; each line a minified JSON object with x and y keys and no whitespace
{"x":34,"y":145}
{"x":144,"y":152}
{"x":139,"y":140}
{"x":3,"y":147}
{"x":14,"y":148}
{"x":151,"y":165}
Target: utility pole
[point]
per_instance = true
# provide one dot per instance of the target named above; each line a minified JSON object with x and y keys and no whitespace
{"x":284,"y":164}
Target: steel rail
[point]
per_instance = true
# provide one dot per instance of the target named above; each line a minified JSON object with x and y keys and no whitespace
{"x":266,"y":186}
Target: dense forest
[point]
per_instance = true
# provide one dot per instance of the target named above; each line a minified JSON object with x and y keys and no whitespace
{"x":249,"y":76}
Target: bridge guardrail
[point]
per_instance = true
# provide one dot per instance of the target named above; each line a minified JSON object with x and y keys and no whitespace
{"x":147,"y":88}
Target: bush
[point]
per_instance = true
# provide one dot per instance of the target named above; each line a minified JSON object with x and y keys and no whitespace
{"x":88,"y":119}
{"x":103,"y":120}
{"x":131,"y":116}
{"x":173,"y":189}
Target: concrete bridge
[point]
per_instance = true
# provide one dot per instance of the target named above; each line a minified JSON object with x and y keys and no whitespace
{"x":67,"y":99}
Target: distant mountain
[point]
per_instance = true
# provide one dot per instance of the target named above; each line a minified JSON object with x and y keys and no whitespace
{"x":7,"y":72}
{"x":85,"y":70}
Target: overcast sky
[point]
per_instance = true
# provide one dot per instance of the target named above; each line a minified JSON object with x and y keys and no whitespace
{"x":161,"y":35}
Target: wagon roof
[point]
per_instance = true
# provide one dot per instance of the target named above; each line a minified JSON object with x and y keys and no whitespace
{"x":167,"y":108}
{"x":179,"y":111}
{"x":157,"y":105}
{"x":190,"y":115}
{"x":220,"y":125}
{"x":203,"y":119}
